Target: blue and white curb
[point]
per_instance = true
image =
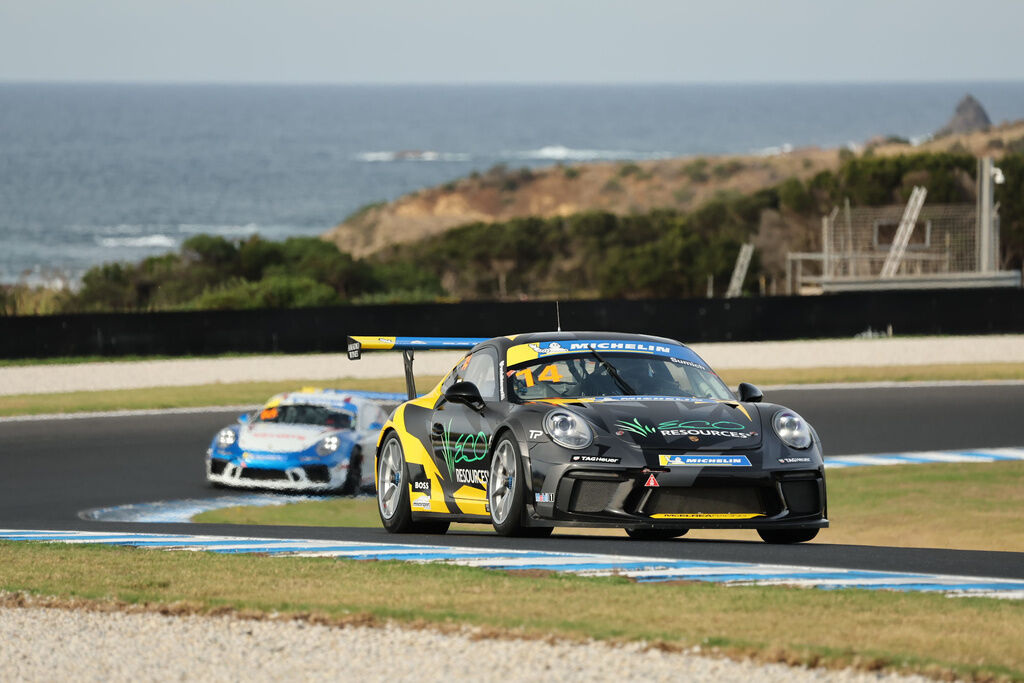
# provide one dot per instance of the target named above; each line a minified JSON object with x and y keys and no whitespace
{"x":182,"y":511}
{"x":643,"y":569}
{"x":972,"y":455}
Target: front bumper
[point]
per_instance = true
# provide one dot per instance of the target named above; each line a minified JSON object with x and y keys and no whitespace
{"x":693,"y":498}
{"x":315,"y":477}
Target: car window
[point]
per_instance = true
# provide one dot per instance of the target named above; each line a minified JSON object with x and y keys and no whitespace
{"x":482,"y":371}
{"x":480,"y":368}
{"x":308,"y":415}
{"x":584,"y":376}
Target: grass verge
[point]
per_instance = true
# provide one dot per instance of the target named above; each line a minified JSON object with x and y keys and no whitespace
{"x":257,"y":392}
{"x":246,"y":393}
{"x":966,"y":506}
{"x":976,"y":637}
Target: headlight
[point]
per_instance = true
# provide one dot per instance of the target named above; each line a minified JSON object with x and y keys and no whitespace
{"x":328,"y":445}
{"x":792,"y":429}
{"x":568,"y":429}
{"x":226,"y":437}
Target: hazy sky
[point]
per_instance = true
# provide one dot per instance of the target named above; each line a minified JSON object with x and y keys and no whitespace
{"x":534,"y":41}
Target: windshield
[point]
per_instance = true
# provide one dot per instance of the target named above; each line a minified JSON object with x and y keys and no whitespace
{"x":306,"y":415}
{"x":586,"y":376}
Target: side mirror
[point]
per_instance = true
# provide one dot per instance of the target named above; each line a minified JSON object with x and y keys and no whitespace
{"x":465,"y":393}
{"x":749,"y":393}
{"x":244,"y":418}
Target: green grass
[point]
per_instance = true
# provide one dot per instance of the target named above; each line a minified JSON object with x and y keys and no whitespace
{"x":245,"y":393}
{"x":257,"y":392}
{"x":932,"y":634}
{"x":974,"y":506}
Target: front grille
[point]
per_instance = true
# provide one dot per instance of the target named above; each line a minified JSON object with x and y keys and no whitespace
{"x":261,"y":474}
{"x":704,"y":500}
{"x":591,"y":496}
{"x":317,"y":473}
{"x":802,"y":496}
{"x":217,"y":466}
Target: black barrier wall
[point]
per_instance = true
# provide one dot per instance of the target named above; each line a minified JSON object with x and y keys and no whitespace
{"x":977,"y":311}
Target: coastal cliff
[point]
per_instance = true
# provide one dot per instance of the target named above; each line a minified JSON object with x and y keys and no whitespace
{"x":623,"y":188}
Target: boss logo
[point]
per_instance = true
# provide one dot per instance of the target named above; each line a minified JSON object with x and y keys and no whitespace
{"x":421,"y":486}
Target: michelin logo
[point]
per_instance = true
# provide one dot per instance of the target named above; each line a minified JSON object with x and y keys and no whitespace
{"x":704,"y":461}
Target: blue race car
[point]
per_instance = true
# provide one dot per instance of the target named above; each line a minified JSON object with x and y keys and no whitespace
{"x":306,"y":440}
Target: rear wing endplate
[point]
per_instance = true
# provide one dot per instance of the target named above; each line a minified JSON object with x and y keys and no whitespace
{"x":407,"y":345}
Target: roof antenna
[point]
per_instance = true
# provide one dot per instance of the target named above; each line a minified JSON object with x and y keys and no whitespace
{"x":558,"y":316}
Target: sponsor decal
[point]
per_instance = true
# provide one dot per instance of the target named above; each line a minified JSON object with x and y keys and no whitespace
{"x":546,"y":348}
{"x":471,"y":477}
{"x":535,"y":434}
{"x":689,"y":363}
{"x":682,"y":460}
{"x":501,"y":383}
{"x":691,"y":428}
{"x":651,"y":482}
{"x":596,"y":458}
{"x":544,"y":497}
{"x":707,"y":515}
{"x":680,"y":354}
{"x":793,"y":461}
{"x":421,"y":502}
{"x":465,"y":448}
{"x":421,"y":486}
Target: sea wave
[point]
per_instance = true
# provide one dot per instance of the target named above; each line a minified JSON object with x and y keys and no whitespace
{"x":563,"y":153}
{"x":146,"y":241}
{"x":207,"y":229}
{"x":774,"y":151}
{"x":412,"y":155}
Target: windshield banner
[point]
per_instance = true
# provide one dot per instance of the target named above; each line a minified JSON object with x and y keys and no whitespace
{"x":527,"y":352}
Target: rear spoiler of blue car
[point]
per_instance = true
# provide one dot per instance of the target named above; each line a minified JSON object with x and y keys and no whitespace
{"x":407,"y":345}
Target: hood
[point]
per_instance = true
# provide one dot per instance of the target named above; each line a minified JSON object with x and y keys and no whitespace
{"x":653,"y":422}
{"x":280,"y":438}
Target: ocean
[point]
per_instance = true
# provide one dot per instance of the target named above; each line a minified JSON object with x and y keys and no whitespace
{"x":97,"y":173}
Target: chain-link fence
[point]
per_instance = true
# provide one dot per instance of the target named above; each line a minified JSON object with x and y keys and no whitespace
{"x":857,"y":241}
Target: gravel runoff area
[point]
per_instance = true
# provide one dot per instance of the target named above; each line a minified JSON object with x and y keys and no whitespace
{"x":330,"y":368}
{"x":47,"y":644}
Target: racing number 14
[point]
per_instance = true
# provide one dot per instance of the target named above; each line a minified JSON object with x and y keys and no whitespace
{"x":548,"y":374}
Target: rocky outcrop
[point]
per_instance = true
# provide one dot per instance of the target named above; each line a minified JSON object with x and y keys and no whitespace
{"x":969,"y":117}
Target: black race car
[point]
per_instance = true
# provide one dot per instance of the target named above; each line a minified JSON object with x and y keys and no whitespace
{"x":598,"y":429}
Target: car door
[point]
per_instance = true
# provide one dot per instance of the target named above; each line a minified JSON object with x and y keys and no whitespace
{"x":460,"y":435}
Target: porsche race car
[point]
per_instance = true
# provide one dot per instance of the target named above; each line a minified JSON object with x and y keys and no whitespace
{"x":307,"y":440}
{"x":532,"y":431}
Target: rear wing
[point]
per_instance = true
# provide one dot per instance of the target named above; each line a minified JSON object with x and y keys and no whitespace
{"x":407,"y":345}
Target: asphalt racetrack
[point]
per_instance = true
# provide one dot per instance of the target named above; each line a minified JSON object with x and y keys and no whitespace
{"x":53,"y":469}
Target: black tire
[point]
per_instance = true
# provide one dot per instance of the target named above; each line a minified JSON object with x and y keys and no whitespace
{"x":787,"y":535}
{"x":354,"y":478}
{"x":655,"y":534}
{"x":506,"y":490}
{"x":391,"y":462}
